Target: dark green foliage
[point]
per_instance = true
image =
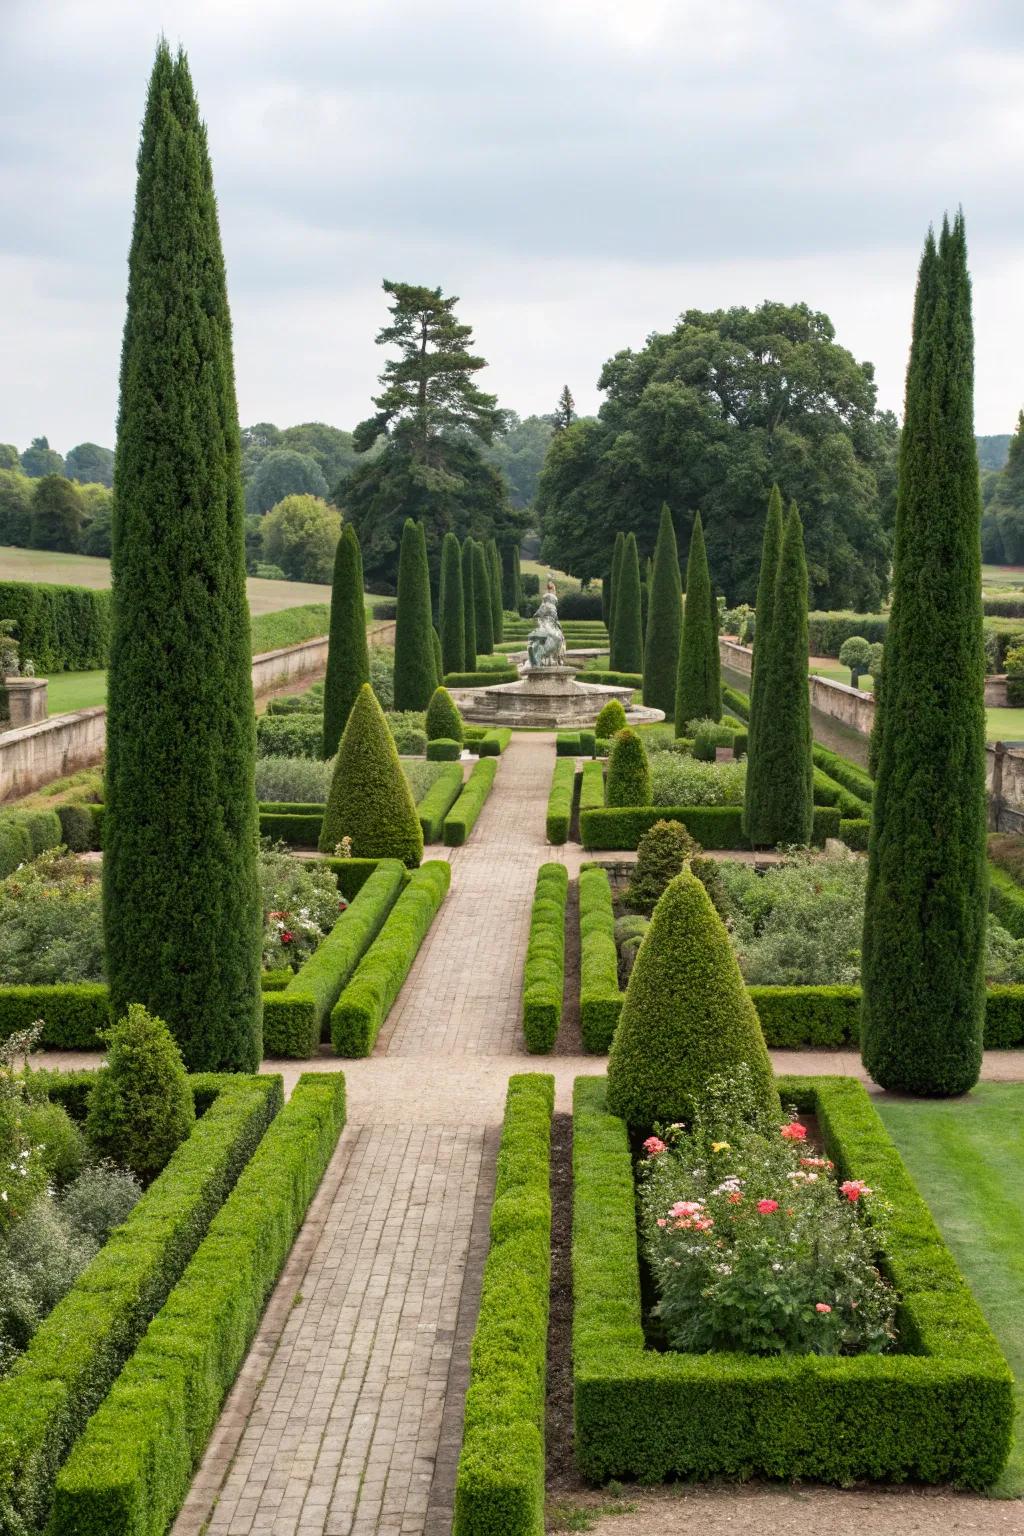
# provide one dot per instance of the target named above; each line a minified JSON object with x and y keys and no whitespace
{"x":661,"y":854}
{"x":940,"y":1413}
{"x":61,"y":629}
{"x":698,"y":683}
{"x":299,"y":829}
{"x":79,"y":827}
{"x":611,"y":679}
{"x":435,"y":645}
{"x":141,"y":1107}
{"x":848,"y":774}
{"x":364,"y":1005}
{"x":592,"y":785}
{"x":855,"y":832}
{"x":618,"y":551}
{"x":182,"y":919}
{"x":348,"y":660}
{"x":370,"y":800}
{"x":56,"y":514}
{"x":687,"y":1015}
{"x":469,"y":605}
{"x":714,"y":826}
{"x":1006,"y":900}
{"x":627,"y":640}
{"x":499,"y":1489}
{"x":480,"y":679}
{"x":924,"y":916}
{"x":544,"y":968}
{"x":600,"y":998}
{"x":24,"y":835}
{"x":415,"y":677}
{"x":483,"y":619}
{"x":438,"y":801}
{"x":494,"y":572}
{"x":90,"y":464}
{"x":795,"y":1018}
{"x":828,"y":791}
{"x":132,"y":1468}
{"x":443,"y":749}
{"x":771,"y":549}
{"x":629,"y":772}
{"x":351,"y":874}
{"x":610,"y":721}
{"x":452,"y":609}
{"x":75,"y":1015}
{"x":493,"y":743}
{"x":461,"y":819}
{"x":664,"y":622}
{"x":299,"y":734}
{"x":560,"y":799}
{"x":443,"y":718}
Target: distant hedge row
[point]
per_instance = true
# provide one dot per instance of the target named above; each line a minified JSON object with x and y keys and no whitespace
{"x":61,"y":629}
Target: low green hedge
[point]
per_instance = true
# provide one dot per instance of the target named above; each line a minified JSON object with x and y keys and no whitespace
{"x":560,"y":799}
{"x":364,"y":1005}
{"x":130,"y":1471}
{"x":288,"y":626}
{"x":568,"y":744}
{"x":942,"y":1412}
{"x":739,"y":744}
{"x":611,"y":679}
{"x":849,"y":775}
{"x":481,"y":679}
{"x":80,"y":827}
{"x":793,"y":1018}
{"x":277,"y":979}
{"x":351,"y":874}
{"x":24,"y":835}
{"x":443,"y":749}
{"x":493,"y":743}
{"x":592,"y":786}
{"x":544,"y":970}
{"x":298,"y":735}
{"x":461,"y":819}
{"x":499,"y":1487}
{"x":600,"y":998}
{"x":73,"y":1014}
{"x":855,"y":832}
{"x":438,"y":801}
{"x":714,"y":826}
{"x":828,"y":791}
{"x":291,"y":807}
{"x":736,"y":703}
{"x":77,"y":1351}
{"x":1006,"y":900}
{"x":296,"y":1019}
{"x":295,"y":829}
{"x":296,"y":704}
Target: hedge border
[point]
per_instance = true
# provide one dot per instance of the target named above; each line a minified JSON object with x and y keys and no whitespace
{"x":714,"y":826}
{"x":493,"y":742}
{"x":608,"y":679}
{"x":461,"y":819}
{"x":592,"y":786}
{"x":560,"y":800}
{"x":73,"y":1013}
{"x":499,"y":1485}
{"x":443,"y":749}
{"x":942,"y":1412}
{"x":600,"y":998}
{"x":544,"y":967}
{"x":1006,"y":900}
{"x":481,"y":679}
{"x":438,"y":801}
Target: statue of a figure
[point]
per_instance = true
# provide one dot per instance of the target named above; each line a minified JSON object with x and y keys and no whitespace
{"x":545,"y":646}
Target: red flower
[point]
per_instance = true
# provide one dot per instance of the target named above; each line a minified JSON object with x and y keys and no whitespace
{"x":854,"y":1188}
{"x":766,"y":1207}
{"x":286,"y":937}
{"x":794,"y":1131}
{"x":653,"y":1146}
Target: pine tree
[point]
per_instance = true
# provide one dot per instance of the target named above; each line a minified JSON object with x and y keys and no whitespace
{"x":565,"y":410}
{"x":664,"y":622}
{"x":617,"y":553}
{"x":494,"y":571}
{"x":925,"y":910}
{"x":369,"y":799}
{"x":783,"y":811}
{"x":415,"y":673}
{"x":628,"y":643}
{"x":182,"y":909}
{"x":452,"y":615}
{"x":348,"y":660}
{"x":771,"y":546}
{"x":482,"y":600}
{"x":469,"y":604}
{"x":698,"y":685}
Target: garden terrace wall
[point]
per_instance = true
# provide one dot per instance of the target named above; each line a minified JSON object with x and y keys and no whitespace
{"x":544,"y":969}
{"x":940,"y":1412}
{"x":131,"y":1469}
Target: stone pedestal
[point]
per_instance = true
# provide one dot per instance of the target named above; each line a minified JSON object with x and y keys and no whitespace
{"x":25,"y":699}
{"x":546,"y":698}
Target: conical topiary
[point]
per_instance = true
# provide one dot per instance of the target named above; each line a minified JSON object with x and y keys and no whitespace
{"x":482,"y":600}
{"x":618,"y":550}
{"x":664,"y":622}
{"x":610,"y":721}
{"x":415,"y":669}
{"x":452,"y":607}
{"x":141,"y":1106}
{"x":469,"y":605}
{"x":443,"y":718}
{"x":494,"y":568}
{"x":698,"y":688}
{"x":687,"y":1016}
{"x":348,"y":660}
{"x":771,"y":546}
{"x":370,"y":800}
{"x":629,"y":772}
{"x":629,"y":643}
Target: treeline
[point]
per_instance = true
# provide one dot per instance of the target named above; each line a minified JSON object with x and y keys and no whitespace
{"x":54,"y":512}
{"x":1002,"y":499}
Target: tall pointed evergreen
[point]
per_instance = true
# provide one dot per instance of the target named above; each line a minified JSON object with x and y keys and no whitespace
{"x":924,"y":916}
{"x":482,"y":599}
{"x":452,"y":615}
{"x":629,"y":635}
{"x":182,"y":910}
{"x":618,"y":551}
{"x":698,"y":683}
{"x":494,"y":570}
{"x":415,"y":673}
{"x":469,"y":603}
{"x":510,"y":578}
{"x":348,"y":660}
{"x":435,"y":640}
{"x":771,"y":546}
{"x":664,"y":621}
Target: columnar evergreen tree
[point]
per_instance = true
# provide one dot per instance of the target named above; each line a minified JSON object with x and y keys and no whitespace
{"x":924,"y":916}
{"x":452,"y":614}
{"x":348,"y":660}
{"x":783,"y":811}
{"x":435,"y":639}
{"x":520,"y":593}
{"x":482,"y":600}
{"x":628,"y":642}
{"x":771,"y":545}
{"x":510,"y":578}
{"x":698,"y":684}
{"x":606,"y":596}
{"x":664,"y":622}
{"x":182,"y":910}
{"x":415,"y":673}
{"x":617,"y":553}
{"x":469,"y":603}
{"x":494,"y":570}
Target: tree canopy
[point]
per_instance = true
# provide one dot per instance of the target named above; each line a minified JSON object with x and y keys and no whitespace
{"x":1002,"y":522}
{"x":301,"y":535}
{"x":283,"y":472}
{"x":519,"y":453}
{"x":40,"y":459}
{"x":90,"y":464}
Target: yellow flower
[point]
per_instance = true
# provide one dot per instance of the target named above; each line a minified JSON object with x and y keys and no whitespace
{"x":720,"y":1146}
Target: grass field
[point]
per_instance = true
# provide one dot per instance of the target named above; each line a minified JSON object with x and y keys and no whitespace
{"x":1002,"y":576}
{"x":1000,"y":724}
{"x":967,"y":1158}
{"x":68,"y":691}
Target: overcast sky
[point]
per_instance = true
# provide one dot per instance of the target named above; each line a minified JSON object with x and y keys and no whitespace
{"x":578,"y":171}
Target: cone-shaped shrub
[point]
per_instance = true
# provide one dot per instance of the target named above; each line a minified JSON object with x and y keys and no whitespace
{"x":698,"y":686}
{"x":618,"y":550}
{"x":687,"y":1016}
{"x":629,"y":772}
{"x":415,"y":671}
{"x":610,"y":721}
{"x":924,"y":916}
{"x":141,"y":1105}
{"x":469,"y":604}
{"x":494,"y":569}
{"x":784,"y":773}
{"x":370,"y":800}
{"x":664,"y":622}
{"x":348,"y":660}
{"x":629,"y":643}
{"x":771,"y":546}
{"x":452,"y":609}
{"x":443,"y":718}
{"x":482,"y":600}
{"x":182,"y":912}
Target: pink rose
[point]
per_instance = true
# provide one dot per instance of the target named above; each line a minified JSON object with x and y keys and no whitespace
{"x":794,"y":1131}
{"x":822,"y":1306}
{"x":653,"y":1146}
{"x":854,"y":1188}
{"x":766,"y":1207}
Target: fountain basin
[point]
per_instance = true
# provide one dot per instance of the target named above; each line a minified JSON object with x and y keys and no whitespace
{"x":547,"y":698}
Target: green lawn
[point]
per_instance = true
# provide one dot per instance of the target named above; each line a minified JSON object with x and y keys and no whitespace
{"x":1000,"y":724}
{"x":967,"y":1158}
{"x":68,"y":691}
{"x":840,"y":674}
{"x":1002,"y":575}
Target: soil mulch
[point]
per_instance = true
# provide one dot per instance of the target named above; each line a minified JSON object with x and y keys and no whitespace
{"x":562,"y":1476}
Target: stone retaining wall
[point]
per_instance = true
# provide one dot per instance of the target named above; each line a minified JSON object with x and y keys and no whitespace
{"x":850,"y":706}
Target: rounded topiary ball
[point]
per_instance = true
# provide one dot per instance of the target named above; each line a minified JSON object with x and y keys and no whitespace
{"x":443,"y":718}
{"x":611,"y":720}
{"x":141,"y":1107}
{"x":629,"y":772}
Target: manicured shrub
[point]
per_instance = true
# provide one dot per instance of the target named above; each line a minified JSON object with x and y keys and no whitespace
{"x":627,"y":642}
{"x":739,"y":744}
{"x":60,"y":629}
{"x":567,"y":744}
{"x":461,"y":819}
{"x":737,"y":702}
{"x":591,"y":786}
{"x":855,"y":653}
{"x":443,"y":750}
{"x":608,"y":679}
{"x":855,"y":832}
{"x":610,"y":721}
{"x":294,"y":781}
{"x":370,"y":801}
{"x":618,"y":550}
{"x":74,"y":1015}
{"x":485,"y":679}
{"x":664,"y":622}
{"x":600,"y":998}
{"x":771,"y":549}
{"x":469,"y":606}
{"x":351,"y":874}
{"x":78,"y":827}
{"x":698,"y":684}
{"x":795,"y":1018}
{"x":141,"y":1107}
{"x":452,"y":608}
{"x":629,"y":772}
{"x":294,"y":735}
{"x":560,"y":798}
{"x":662,"y":853}
{"x":494,"y":571}
{"x":853,"y":779}
{"x":686,"y":1016}
{"x":348,"y":660}
{"x":714,"y":826}
{"x":63,"y":1147}
{"x":415,"y":673}
{"x":827,"y":791}
{"x":484,"y":626}
{"x":1006,"y":900}
{"x":15,"y":845}
{"x":438,"y":801}
{"x":493,"y":743}
{"x":443,"y":718}
{"x":544,"y":969}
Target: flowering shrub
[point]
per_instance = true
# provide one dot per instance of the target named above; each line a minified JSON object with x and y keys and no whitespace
{"x":295,"y":779}
{"x":300,"y":905}
{"x":679,"y":780}
{"x":51,"y":923}
{"x":752,"y":1244}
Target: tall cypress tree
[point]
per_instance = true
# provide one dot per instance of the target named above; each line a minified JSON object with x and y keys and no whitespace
{"x":520,"y":594}
{"x":453,"y":616}
{"x":629,"y":635}
{"x":181,"y":900}
{"x":924,"y":917}
{"x":482,"y":600}
{"x":783,"y":812}
{"x":469,"y":603}
{"x":698,"y":684}
{"x":494,"y":570}
{"x":771,"y":546}
{"x":618,"y":551}
{"x":415,"y":673}
{"x":348,"y":660}
{"x":435,"y":639}
{"x":509,"y":578}
{"x":664,"y":621}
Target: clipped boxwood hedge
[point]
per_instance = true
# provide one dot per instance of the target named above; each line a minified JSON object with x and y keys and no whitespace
{"x":855,"y":832}
{"x":461,"y":819}
{"x":499,"y":1487}
{"x":560,"y":799}
{"x":24,"y":835}
{"x":592,"y":786}
{"x":481,"y":679}
{"x":611,"y":679}
{"x":493,"y":743}
{"x":73,"y":1013}
{"x":714,"y":826}
{"x":62,"y":629}
{"x":1006,"y":900}
{"x":444,"y":749}
{"x":827,"y":791}
{"x":438,"y":801}
{"x":295,"y":829}
{"x":853,"y":778}
{"x":600,"y":998}
{"x":296,"y":735}
{"x":544,"y":969}
{"x":130,"y":1471}
{"x":940,"y":1413}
